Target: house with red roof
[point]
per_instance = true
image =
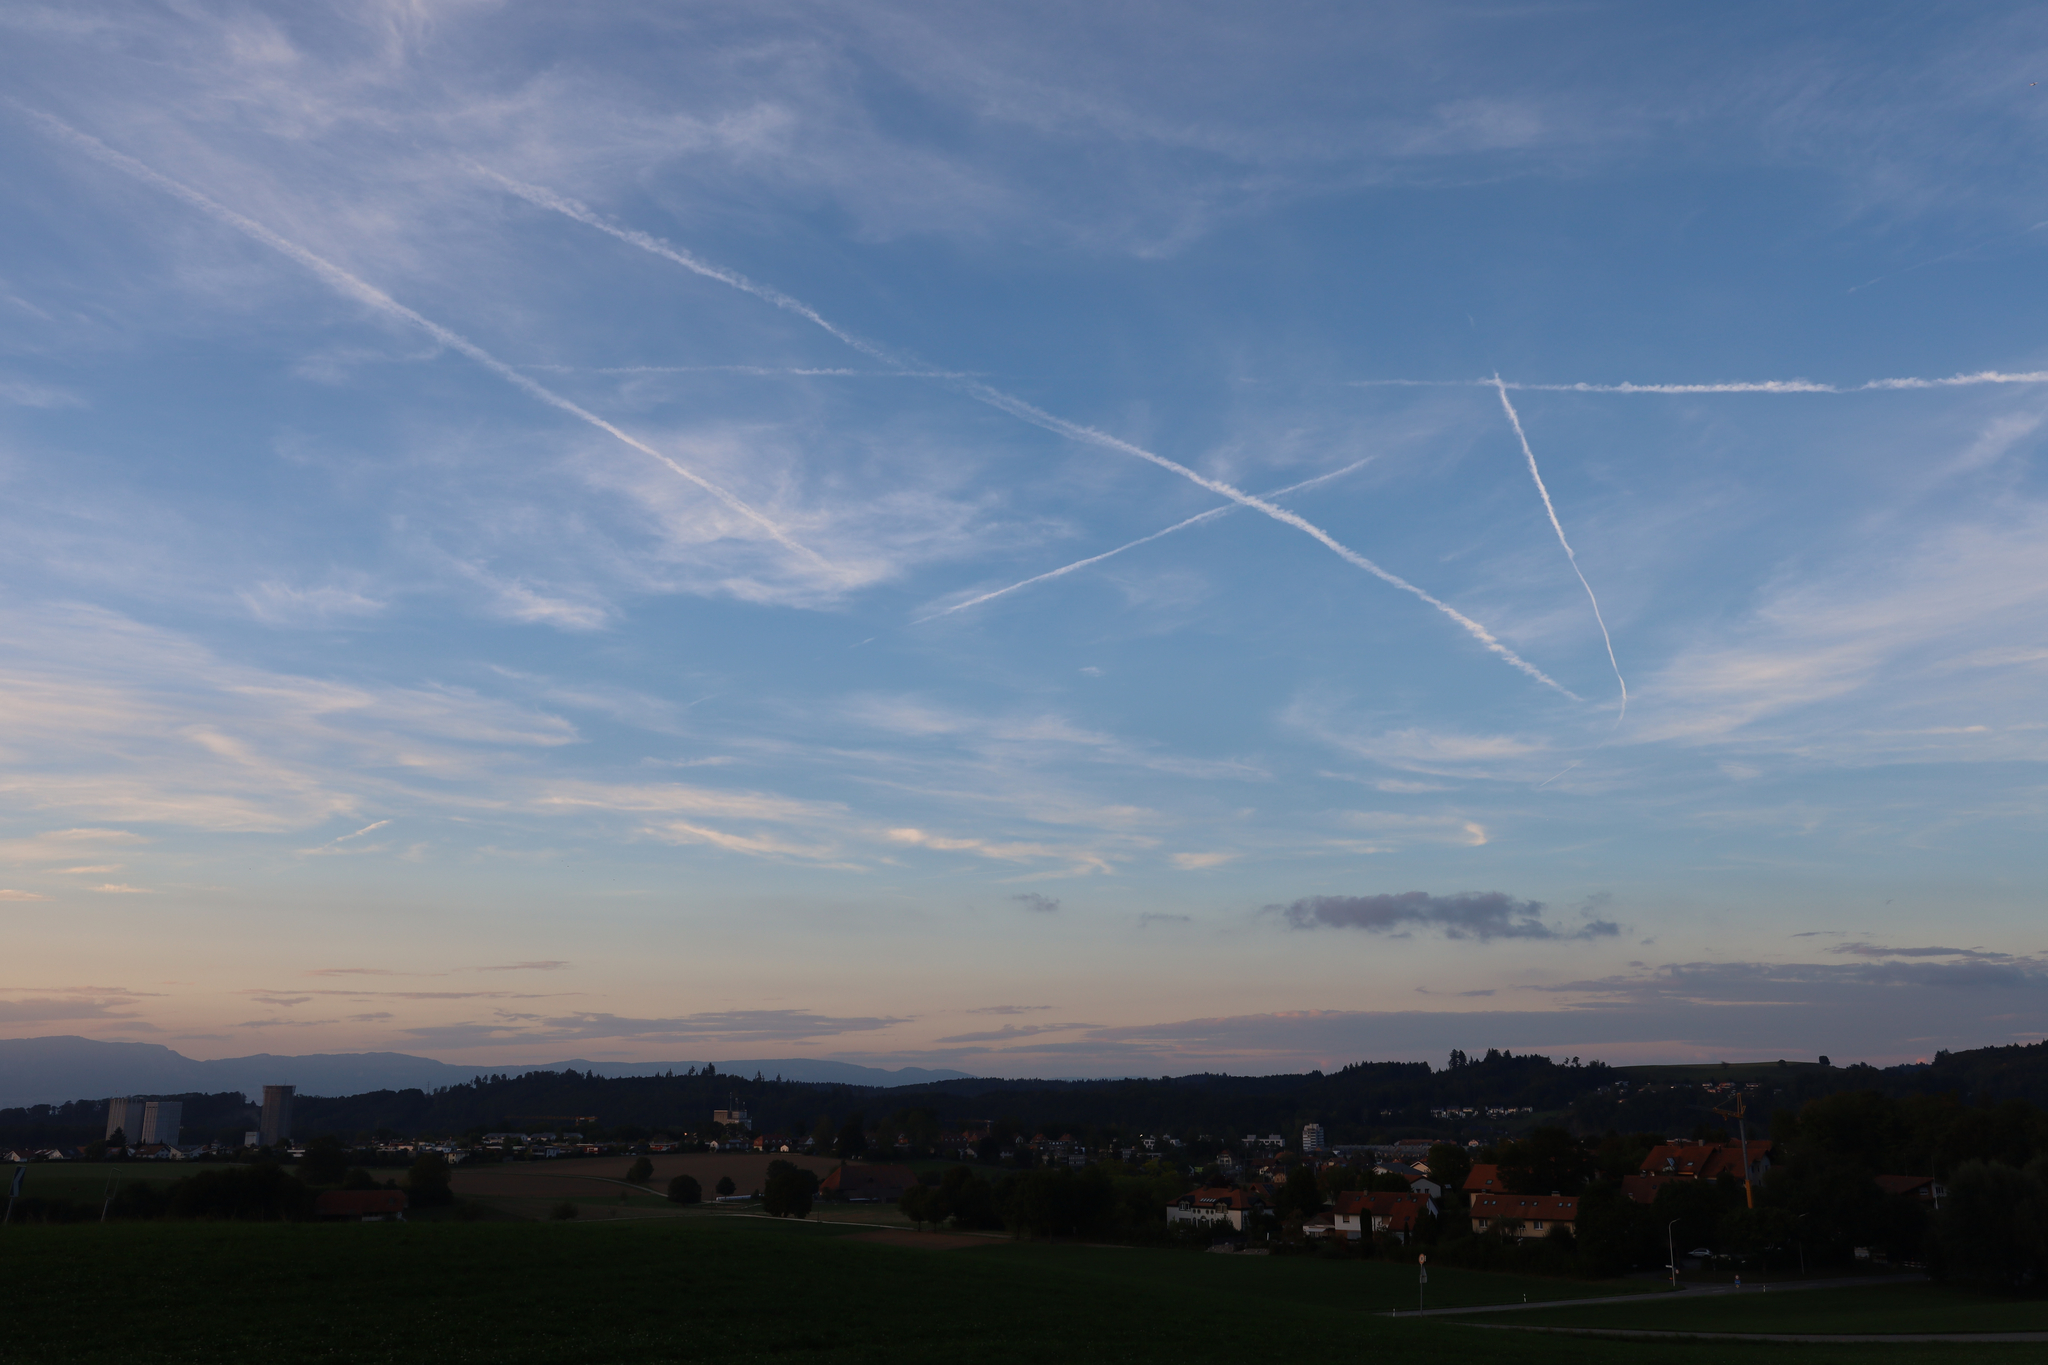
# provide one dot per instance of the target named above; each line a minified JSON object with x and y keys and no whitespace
{"x":1709,"y":1160}
{"x":1214,"y":1204}
{"x":1922,"y":1187}
{"x":1484,"y":1179}
{"x":1524,"y":1215}
{"x":1360,"y":1212}
{"x":867,"y":1184}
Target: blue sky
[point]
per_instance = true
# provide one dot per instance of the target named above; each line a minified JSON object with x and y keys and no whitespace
{"x":494,"y":501}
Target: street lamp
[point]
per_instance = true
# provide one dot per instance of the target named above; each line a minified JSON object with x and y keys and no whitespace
{"x":1670,"y":1251}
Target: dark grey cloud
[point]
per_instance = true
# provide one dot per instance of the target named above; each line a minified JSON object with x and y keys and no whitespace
{"x":1878,"y":950}
{"x":1032,"y":901}
{"x":1482,"y":915}
{"x":1796,"y":984}
{"x":1008,"y":1009}
{"x":1013,"y":1032}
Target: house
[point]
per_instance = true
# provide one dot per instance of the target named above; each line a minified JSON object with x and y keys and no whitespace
{"x":867,"y":1184}
{"x":1359,"y":1212}
{"x":1485,"y":1179}
{"x":1216,"y":1204}
{"x":1921,"y":1187}
{"x":370,"y":1206}
{"x":1524,"y":1215}
{"x":1709,"y":1160}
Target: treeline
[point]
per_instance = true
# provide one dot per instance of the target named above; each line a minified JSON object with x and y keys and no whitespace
{"x":1819,"y":1205}
{"x":1364,"y":1102}
{"x":259,"y":1190}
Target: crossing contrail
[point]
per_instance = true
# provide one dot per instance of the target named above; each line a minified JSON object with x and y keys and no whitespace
{"x":1017,"y":407}
{"x":1954,"y":381}
{"x":1194,"y":520}
{"x":363,"y":292}
{"x":1515,"y":420}
{"x":541,"y":197}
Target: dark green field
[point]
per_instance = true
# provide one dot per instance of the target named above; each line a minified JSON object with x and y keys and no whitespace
{"x":1890,"y":1308}
{"x":723,"y":1288}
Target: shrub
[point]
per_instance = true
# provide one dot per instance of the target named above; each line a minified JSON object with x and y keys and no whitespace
{"x":789,"y":1190}
{"x":563,"y":1212}
{"x":427,"y":1182}
{"x":241,"y":1193}
{"x":684,"y":1189}
{"x":641,"y":1171}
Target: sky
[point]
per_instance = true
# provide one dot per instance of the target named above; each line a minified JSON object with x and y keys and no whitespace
{"x":1041,"y":539}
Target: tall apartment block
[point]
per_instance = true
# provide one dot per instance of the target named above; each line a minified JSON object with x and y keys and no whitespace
{"x":125,"y":1116}
{"x":277,"y":1114}
{"x":160,"y":1120}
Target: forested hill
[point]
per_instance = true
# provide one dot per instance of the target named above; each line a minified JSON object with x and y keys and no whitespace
{"x":1365,"y":1102}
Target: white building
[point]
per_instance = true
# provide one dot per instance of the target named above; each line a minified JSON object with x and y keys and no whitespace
{"x":160,"y":1121}
{"x":124,"y":1115}
{"x":1312,"y":1137}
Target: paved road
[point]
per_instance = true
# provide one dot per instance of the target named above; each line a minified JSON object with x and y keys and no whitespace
{"x":1690,"y":1294}
{"x":1762,"y":1336}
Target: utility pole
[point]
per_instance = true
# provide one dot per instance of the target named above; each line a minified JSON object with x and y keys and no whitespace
{"x":1422,"y":1278}
{"x":1670,"y":1250}
{"x":13,"y":1193}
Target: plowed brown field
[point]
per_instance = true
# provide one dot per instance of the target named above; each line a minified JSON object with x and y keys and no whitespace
{"x":587,"y":1177}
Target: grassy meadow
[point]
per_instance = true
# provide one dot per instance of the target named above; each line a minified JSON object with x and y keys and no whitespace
{"x":711,"y":1286}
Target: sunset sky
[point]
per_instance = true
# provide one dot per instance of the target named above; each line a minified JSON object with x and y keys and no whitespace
{"x":500,"y":506}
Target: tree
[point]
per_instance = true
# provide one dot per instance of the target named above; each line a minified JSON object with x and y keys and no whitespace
{"x":853,"y":1139}
{"x":1448,"y":1166}
{"x":641,"y":1171}
{"x":684,"y":1189}
{"x":242,"y":1193}
{"x":724,"y":1186}
{"x":1548,"y":1160}
{"x":325,"y":1163}
{"x":1301,"y":1194}
{"x":789,"y":1190}
{"x":920,"y":1204}
{"x":428,"y":1180}
{"x":1995,"y":1228}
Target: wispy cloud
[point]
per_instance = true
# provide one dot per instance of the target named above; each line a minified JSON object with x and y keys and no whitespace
{"x":1200,"y":517}
{"x":1032,"y":414}
{"x":350,"y":286}
{"x":1955,"y":381}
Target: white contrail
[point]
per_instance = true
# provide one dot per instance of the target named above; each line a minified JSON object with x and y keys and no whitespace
{"x":1515,"y":419}
{"x":1954,"y":381}
{"x":369,"y":294}
{"x":760,"y":370}
{"x":562,"y":204}
{"x":1018,"y":408}
{"x":1195,"y":520}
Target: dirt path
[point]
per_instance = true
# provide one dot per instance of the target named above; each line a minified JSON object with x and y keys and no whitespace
{"x":1687,"y":1295}
{"x":1759,"y":1336}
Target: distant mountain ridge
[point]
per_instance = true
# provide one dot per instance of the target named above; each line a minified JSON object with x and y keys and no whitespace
{"x":57,"y":1069}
